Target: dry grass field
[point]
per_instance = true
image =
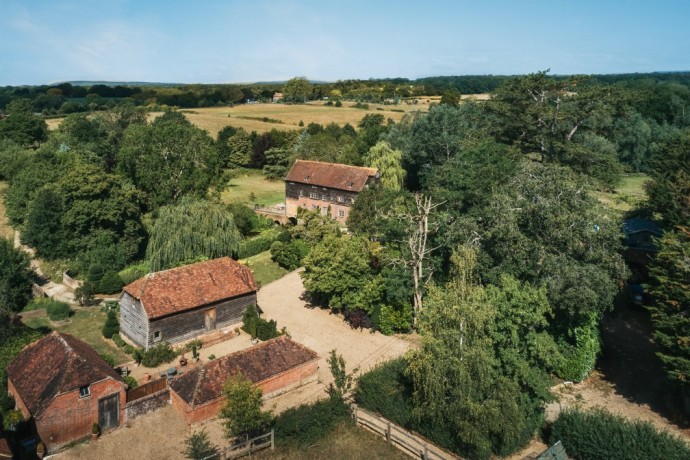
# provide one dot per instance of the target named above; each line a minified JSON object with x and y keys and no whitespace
{"x":6,"y":230}
{"x":250,"y":116}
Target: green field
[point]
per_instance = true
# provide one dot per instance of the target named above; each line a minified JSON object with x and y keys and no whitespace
{"x":628,"y":194}
{"x":85,"y":324}
{"x":265,"y":270}
{"x":248,"y":181}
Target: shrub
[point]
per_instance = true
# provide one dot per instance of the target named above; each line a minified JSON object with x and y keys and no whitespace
{"x":137,"y":355}
{"x":211,"y":357}
{"x":111,"y":326}
{"x":12,"y":419}
{"x":254,"y":246}
{"x":85,"y":293}
{"x":392,"y":320}
{"x":357,"y":318}
{"x":108,"y":358}
{"x":338,"y":103}
{"x":57,"y":311}
{"x":199,"y":447}
{"x":579,"y":360}
{"x":304,"y":425}
{"x":131,"y":382}
{"x":155,"y":356}
{"x":598,"y":434}
{"x":258,"y":327}
{"x":129,"y":349}
{"x":387,"y":390}
{"x":134,"y":272}
{"x":289,"y":255}
{"x":95,"y":273}
{"x":118,"y":340}
{"x":111,"y":283}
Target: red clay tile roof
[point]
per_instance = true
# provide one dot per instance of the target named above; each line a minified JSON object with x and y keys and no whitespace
{"x":183,"y":288}
{"x":55,"y":364}
{"x":273,"y":357}
{"x":5,"y":450}
{"x":332,"y":175}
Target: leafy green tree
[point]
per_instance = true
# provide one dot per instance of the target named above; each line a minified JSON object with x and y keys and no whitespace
{"x":297,"y":89}
{"x":191,"y":230}
{"x":43,"y":227}
{"x":198,"y":446}
{"x":21,"y":125}
{"x":371,"y":128}
{"x":669,"y":191}
{"x":342,"y":381}
{"x":16,"y":277}
{"x":335,"y":269}
{"x":169,"y":159}
{"x":240,"y":149}
{"x":245,"y":219}
{"x":389,"y":163}
{"x":670,"y":287}
{"x":12,"y":159}
{"x":450,"y":97}
{"x":242,"y":414}
{"x":277,"y":163}
{"x":469,"y":393}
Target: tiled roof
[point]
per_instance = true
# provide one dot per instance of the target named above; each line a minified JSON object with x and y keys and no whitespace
{"x":270,"y":358}
{"x":183,"y":288}
{"x":332,"y":175}
{"x":55,"y":364}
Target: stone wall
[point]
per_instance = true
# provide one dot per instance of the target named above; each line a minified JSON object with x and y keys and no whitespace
{"x":150,"y":403}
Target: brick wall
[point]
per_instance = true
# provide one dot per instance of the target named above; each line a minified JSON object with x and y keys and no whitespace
{"x":147,"y":404}
{"x":271,"y":387}
{"x":338,"y":200}
{"x":69,"y":417}
{"x":20,"y":403}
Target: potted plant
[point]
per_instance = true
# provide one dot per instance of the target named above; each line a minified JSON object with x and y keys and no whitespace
{"x":195,"y":352}
{"x":40,"y":449}
{"x":95,"y":431}
{"x":183,"y":360}
{"x":237,"y":331}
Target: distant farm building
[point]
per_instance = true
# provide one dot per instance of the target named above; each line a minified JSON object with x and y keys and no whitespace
{"x":276,"y":366}
{"x":277,"y":97}
{"x":185,"y":302}
{"x":640,"y":246}
{"x":325,"y":187}
{"x":62,"y":386}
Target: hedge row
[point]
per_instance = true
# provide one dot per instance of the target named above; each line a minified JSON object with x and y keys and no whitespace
{"x":598,"y":434}
{"x":256,"y":245}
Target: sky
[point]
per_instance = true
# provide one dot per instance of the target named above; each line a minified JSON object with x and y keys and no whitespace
{"x":240,"y":41}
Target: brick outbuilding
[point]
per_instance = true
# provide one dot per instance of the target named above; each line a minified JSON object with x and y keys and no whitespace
{"x":62,"y":386}
{"x":276,"y":366}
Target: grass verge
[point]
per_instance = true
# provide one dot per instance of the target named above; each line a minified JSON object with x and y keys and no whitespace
{"x":85,"y":324}
{"x":265,"y":270}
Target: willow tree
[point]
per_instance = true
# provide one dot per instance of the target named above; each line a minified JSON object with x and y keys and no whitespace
{"x":389,"y":163}
{"x":191,"y":230}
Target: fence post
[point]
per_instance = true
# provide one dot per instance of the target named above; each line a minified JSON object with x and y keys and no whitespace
{"x":388,"y":433}
{"x":273,"y":442}
{"x":355,"y":414}
{"x":425,"y":455}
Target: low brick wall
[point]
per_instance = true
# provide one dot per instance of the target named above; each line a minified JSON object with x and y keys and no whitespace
{"x":150,"y":403}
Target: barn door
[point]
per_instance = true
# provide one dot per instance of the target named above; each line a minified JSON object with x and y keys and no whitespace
{"x":109,"y":412}
{"x":210,"y":319}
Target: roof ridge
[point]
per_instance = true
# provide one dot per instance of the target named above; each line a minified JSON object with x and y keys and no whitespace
{"x":202,"y":374}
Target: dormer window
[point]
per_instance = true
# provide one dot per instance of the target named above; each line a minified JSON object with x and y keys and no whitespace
{"x":84,"y":391}
{"x":350,"y":184}
{"x":306,"y":177}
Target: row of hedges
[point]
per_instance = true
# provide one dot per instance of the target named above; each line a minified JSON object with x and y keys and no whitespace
{"x":56,"y":310}
{"x":258,"y":244}
{"x":600,"y":435}
{"x":304,"y":425}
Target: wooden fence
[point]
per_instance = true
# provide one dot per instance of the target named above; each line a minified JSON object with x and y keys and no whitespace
{"x":246,"y":447}
{"x":413,"y":445}
{"x":146,"y":389}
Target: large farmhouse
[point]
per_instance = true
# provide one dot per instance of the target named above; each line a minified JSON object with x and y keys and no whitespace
{"x":63,"y":387}
{"x":325,"y":187}
{"x":185,"y":302}
{"x":275,"y":366}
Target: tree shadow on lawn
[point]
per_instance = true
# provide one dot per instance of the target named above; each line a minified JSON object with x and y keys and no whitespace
{"x":630,"y":364}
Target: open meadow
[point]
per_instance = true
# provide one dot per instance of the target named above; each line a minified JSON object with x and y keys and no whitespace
{"x":628,"y":193}
{"x":249,"y":186}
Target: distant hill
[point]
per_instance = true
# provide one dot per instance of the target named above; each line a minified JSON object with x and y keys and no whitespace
{"x":119,"y":83}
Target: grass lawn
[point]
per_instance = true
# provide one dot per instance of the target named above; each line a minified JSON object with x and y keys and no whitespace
{"x":265,"y":270}
{"x":629,"y":193}
{"x":345,"y":441}
{"x":5,"y":230}
{"x":85,"y":324}
{"x":266,"y":192}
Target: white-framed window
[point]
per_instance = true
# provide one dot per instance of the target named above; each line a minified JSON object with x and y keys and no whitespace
{"x":84,"y":391}
{"x":341,"y":213}
{"x":157,"y":336}
{"x":340,"y":199}
{"x":314,"y":195}
{"x":301,"y":193}
{"x":324,"y":197}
